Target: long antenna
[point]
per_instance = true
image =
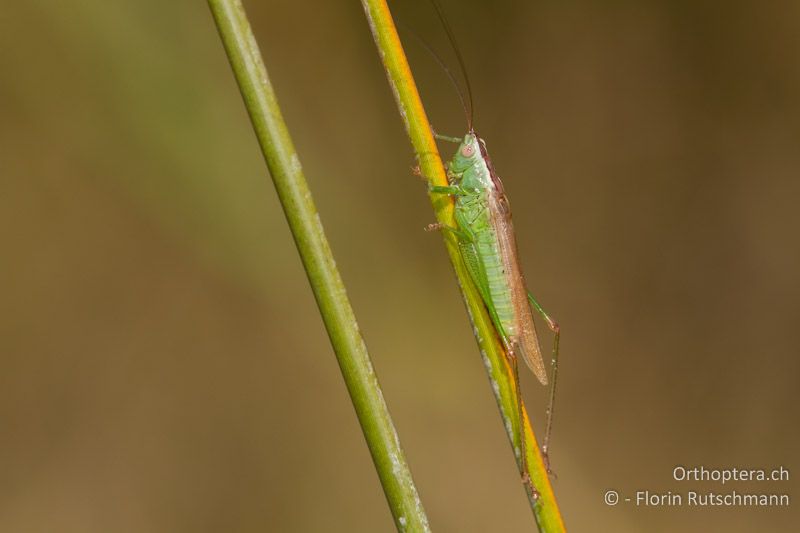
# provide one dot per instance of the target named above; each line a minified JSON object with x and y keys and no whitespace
{"x":451,"y":36}
{"x":450,"y":76}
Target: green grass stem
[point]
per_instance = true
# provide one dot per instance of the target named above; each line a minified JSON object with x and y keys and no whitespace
{"x":295,"y":197}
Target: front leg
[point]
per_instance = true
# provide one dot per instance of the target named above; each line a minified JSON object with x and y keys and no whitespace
{"x":448,"y":138}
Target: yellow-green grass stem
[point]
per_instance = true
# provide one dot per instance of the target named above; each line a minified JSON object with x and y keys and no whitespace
{"x":543,"y":503}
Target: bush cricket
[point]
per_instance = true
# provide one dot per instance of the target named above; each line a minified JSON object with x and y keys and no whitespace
{"x":485,"y":236}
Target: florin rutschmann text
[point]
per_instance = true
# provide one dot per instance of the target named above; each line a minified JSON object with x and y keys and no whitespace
{"x":696,"y":497}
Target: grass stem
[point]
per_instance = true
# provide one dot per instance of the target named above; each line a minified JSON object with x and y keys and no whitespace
{"x":301,"y":214}
{"x":543,"y":502}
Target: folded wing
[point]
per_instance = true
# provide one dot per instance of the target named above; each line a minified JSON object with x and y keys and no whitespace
{"x":525,"y":339}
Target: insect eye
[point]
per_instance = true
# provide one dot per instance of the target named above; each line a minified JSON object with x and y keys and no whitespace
{"x":467,"y":151}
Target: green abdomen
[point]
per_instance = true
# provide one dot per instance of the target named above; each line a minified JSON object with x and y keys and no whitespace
{"x":495,"y":285}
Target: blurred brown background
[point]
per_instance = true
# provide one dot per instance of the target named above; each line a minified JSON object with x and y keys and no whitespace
{"x":164,"y":367}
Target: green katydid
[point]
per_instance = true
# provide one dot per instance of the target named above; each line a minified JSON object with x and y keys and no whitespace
{"x":486,"y":240}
